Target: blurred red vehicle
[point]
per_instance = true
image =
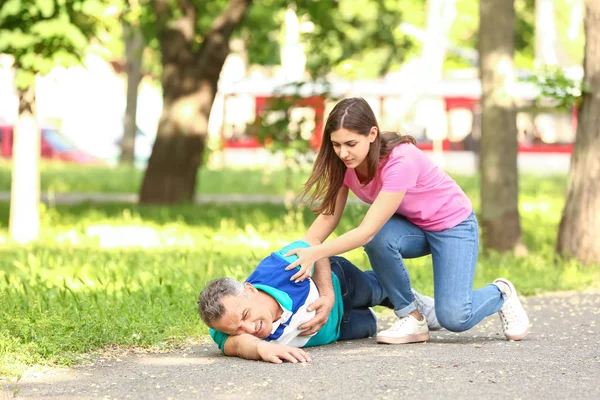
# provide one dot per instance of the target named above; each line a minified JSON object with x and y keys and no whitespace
{"x":54,"y":146}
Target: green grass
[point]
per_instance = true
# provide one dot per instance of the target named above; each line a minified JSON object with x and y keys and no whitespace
{"x":66,"y":178}
{"x":79,"y":289}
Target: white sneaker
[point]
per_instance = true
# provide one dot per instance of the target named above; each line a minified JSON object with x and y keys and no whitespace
{"x":515,"y":322}
{"x":373,"y":313}
{"x":406,"y":330}
{"x":426,"y":306}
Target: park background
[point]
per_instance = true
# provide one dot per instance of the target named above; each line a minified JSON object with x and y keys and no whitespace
{"x":172,"y":142}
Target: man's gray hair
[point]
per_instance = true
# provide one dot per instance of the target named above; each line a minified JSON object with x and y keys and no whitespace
{"x":210,"y":307}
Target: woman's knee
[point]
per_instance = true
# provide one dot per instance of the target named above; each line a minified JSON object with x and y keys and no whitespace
{"x":453,"y":316}
{"x":380,"y":242}
{"x":398,"y":240}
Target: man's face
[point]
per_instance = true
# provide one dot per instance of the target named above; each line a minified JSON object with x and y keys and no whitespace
{"x":246,"y":314}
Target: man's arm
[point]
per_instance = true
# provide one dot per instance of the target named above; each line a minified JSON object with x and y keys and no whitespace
{"x":252,"y":348}
{"x":322,"y":277}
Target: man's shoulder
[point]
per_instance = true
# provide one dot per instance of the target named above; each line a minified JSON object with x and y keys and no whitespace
{"x":298,"y":244}
{"x":272,"y":268}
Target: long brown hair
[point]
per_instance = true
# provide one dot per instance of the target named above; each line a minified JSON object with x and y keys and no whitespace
{"x":353,"y":114}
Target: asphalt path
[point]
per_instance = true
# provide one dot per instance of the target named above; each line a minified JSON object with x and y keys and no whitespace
{"x":560,"y":359}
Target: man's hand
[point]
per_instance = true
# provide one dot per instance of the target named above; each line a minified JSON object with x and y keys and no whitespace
{"x":278,"y":353}
{"x":322,"y":306}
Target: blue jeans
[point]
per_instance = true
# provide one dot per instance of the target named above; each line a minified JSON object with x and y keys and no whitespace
{"x":454,"y":255}
{"x":360,"y":290}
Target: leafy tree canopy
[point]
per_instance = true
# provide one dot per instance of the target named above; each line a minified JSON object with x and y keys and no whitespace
{"x":41,"y":34}
{"x":466,"y":24}
{"x":353,"y":35}
{"x":354,"y":38}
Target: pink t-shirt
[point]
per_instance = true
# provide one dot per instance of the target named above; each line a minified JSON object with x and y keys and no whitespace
{"x":433,"y":201}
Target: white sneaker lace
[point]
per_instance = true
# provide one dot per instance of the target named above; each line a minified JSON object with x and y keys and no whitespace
{"x":398,"y":324}
{"x":509,"y":316}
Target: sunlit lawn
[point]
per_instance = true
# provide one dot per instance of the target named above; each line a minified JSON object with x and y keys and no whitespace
{"x":129,"y":275}
{"x":65,"y":178}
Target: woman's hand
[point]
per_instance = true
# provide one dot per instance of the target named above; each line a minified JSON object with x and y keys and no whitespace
{"x":306,"y":259}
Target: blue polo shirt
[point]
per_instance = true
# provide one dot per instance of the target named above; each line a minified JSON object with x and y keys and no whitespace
{"x":271,"y":277}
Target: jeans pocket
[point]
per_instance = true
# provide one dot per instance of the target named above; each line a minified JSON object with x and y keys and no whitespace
{"x":337,"y":269}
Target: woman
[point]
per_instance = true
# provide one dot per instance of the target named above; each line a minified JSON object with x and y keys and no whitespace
{"x":416,"y":209}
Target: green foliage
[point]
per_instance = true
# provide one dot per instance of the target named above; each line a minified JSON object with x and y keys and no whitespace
{"x":555,"y":86}
{"x":571,"y":40}
{"x":41,"y":34}
{"x":274,"y":131}
{"x":363,"y":32}
{"x":354,"y":37}
{"x":261,"y":32}
{"x":275,"y":127}
{"x":362,"y":37}
{"x":359,"y":38}
{"x":465,"y":28}
{"x":279,"y":132}
{"x":524,"y":33}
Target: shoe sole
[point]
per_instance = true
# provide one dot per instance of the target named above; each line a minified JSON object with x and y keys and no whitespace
{"x":518,"y":337}
{"x":421,"y":337}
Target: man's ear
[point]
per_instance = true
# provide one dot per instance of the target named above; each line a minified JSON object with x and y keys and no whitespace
{"x":250,"y":289}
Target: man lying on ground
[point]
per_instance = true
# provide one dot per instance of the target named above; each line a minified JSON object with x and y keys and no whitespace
{"x":269,"y":317}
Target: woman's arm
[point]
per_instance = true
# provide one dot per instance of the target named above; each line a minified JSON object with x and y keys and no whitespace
{"x":382,"y":209}
{"x":320,"y":229}
{"x":323,"y":225}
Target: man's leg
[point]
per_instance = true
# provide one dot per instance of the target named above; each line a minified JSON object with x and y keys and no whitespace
{"x":360,"y":290}
{"x":359,"y":323}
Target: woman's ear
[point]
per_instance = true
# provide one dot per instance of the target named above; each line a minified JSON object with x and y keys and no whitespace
{"x":373,"y":134}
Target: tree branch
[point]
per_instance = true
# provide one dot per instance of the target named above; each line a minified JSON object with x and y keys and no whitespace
{"x":225,"y":23}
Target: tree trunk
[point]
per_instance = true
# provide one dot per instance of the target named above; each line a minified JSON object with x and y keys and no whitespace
{"x":134,"y":46}
{"x":24,"y":220}
{"x":189,"y":81}
{"x":579,"y":231}
{"x":499,"y":177}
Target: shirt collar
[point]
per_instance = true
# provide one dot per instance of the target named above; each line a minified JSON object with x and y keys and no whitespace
{"x":285,"y":316}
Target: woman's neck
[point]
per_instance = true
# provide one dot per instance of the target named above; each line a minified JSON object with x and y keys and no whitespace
{"x":362,"y":172}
